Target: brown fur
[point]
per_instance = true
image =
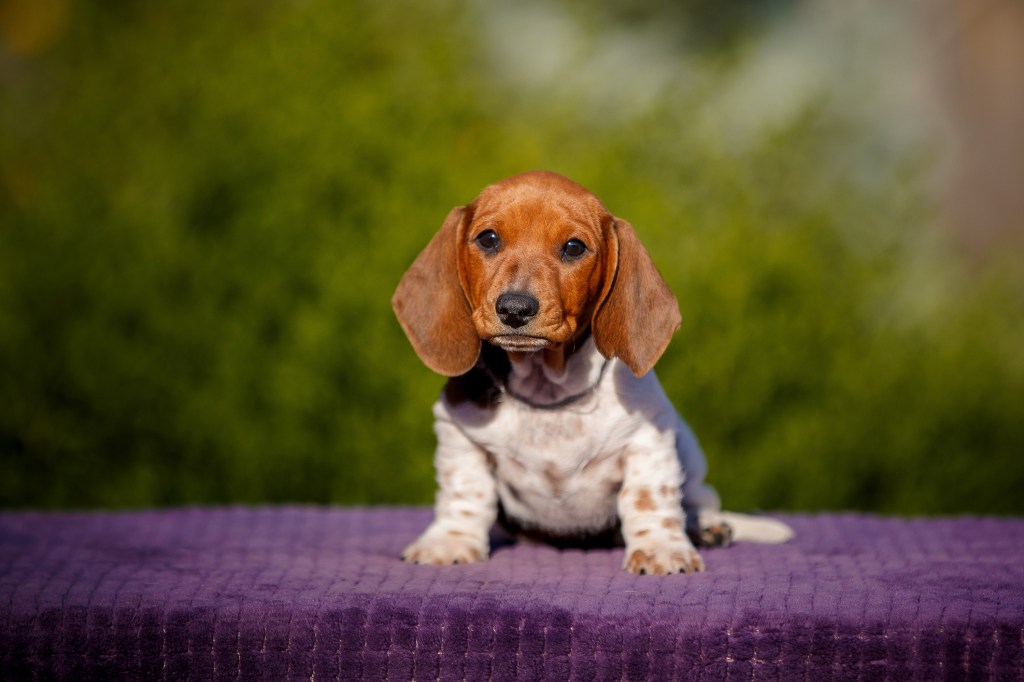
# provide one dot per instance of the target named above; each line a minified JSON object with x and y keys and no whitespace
{"x":446,"y":300}
{"x":644,"y":501}
{"x":431,"y":307}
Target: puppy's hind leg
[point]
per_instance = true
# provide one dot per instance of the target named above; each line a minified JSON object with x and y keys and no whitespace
{"x":704,"y":526}
{"x":710,"y":528}
{"x":707,"y":526}
{"x":705,"y":529}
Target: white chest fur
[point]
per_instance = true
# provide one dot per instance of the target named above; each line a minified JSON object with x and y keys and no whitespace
{"x":561,"y":470}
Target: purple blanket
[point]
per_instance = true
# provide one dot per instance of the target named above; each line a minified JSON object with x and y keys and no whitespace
{"x":319,"y":594}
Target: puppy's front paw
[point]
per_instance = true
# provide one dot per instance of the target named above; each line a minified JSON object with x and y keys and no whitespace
{"x":444,"y":549}
{"x":662,"y":559}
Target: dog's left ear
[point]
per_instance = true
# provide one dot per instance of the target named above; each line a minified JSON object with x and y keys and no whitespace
{"x":636,"y":314}
{"x":431,"y":305}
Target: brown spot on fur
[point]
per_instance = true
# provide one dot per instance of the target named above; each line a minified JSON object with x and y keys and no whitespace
{"x":642,"y":533}
{"x":471,"y":556}
{"x":458,"y":534}
{"x":643,"y":563}
{"x":672,"y":524}
{"x":637,"y":560}
{"x":644,"y":500}
{"x":666,"y":491}
{"x":466,"y":514}
{"x":554,"y":479}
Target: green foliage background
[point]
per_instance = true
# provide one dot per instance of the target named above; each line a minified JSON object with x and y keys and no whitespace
{"x":206,"y":206}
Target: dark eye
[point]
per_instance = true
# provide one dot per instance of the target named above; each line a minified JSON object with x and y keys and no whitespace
{"x":573,"y":249}
{"x":488,"y":241}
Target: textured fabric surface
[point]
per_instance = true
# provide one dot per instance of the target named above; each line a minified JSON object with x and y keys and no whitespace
{"x":319,"y":594}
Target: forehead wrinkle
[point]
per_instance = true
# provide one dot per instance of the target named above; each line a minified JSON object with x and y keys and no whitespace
{"x":535,"y":216}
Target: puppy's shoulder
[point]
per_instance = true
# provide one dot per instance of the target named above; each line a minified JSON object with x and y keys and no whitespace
{"x":643,"y":397}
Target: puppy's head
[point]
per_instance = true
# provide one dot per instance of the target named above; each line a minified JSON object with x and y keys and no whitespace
{"x":530,"y":265}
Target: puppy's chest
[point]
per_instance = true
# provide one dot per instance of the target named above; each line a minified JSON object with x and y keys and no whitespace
{"x":553,"y":458}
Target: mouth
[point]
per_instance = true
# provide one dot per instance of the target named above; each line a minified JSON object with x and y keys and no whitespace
{"x":519,"y":342}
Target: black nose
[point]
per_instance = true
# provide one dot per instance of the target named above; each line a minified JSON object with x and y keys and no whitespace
{"x":515,"y":310}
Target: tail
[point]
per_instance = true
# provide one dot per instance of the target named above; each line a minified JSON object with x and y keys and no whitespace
{"x":747,"y":528}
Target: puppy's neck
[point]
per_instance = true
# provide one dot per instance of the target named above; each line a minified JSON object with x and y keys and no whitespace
{"x":536,"y":378}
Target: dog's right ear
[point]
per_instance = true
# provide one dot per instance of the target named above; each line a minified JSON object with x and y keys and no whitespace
{"x":432,"y":307}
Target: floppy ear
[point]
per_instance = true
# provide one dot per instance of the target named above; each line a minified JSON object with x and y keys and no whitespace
{"x":432,"y":307}
{"x":637,"y":314}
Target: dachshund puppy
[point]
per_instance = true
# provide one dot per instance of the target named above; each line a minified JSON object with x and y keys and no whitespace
{"x":548,"y":315}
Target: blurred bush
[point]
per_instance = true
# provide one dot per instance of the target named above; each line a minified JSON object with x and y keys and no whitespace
{"x":205,"y":208}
